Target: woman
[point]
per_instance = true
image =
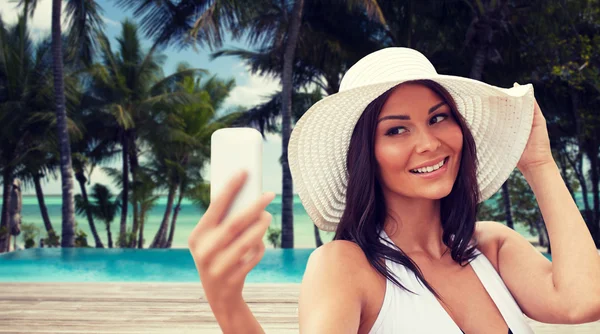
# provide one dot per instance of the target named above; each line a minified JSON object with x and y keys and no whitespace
{"x":395,"y":164}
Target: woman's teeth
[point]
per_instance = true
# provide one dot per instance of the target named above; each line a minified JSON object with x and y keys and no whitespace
{"x":430,"y":168}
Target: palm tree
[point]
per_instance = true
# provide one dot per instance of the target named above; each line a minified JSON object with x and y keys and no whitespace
{"x":287,"y":194}
{"x":104,"y":206}
{"x":66,"y":169}
{"x":144,"y":195}
{"x":39,"y":163}
{"x":80,"y":163}
{"x":85,"y":17}
{"x":199,"y":126}
{"x":25,"y":116}
{"x":86,"y":25}
{"x":99,"y":143}
{"x":131,"y":82}
{"x":181,"y":143}
{"x":15,"y":59}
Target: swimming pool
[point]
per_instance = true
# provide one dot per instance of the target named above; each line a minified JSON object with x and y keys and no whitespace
{"x":131,"y":265}
{"x":134,"y":265}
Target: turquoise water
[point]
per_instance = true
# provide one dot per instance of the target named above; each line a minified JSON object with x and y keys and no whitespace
{"x":130,"y":265}
{"x":188,"y":217}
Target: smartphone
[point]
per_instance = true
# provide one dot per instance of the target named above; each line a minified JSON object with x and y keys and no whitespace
{"x":231,"y":151}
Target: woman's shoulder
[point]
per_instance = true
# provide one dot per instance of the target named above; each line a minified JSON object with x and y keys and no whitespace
{"x":338,"y":255}
{"x":342,"y":261}
{"x":333,"y":283}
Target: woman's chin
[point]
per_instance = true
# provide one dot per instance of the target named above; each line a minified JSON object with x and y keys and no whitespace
{"x":436,"y":193}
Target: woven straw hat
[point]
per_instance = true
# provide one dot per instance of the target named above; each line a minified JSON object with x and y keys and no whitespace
{"x":500,"y":120}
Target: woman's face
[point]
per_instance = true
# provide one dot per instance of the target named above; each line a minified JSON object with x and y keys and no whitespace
{"x":418,"y":144}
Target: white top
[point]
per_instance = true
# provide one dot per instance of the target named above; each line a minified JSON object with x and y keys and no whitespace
{"x":404,"y":312}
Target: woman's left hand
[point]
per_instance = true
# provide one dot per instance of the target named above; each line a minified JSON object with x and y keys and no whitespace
{"x":537,"y":151}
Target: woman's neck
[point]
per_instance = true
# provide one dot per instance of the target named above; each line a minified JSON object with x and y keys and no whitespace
{"x":414,"y":225}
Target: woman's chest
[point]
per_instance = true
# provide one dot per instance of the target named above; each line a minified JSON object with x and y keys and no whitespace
{"x":465,"y":303}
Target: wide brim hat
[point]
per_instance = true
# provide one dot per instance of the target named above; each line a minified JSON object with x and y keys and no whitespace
{"x":499,"y":119}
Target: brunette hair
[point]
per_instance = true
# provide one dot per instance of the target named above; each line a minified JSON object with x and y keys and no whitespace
{"x":365,"y":212}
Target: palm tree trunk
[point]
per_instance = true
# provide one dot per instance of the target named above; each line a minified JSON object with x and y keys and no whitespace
{"x":160,"y":240}
{"x":40,"y":197}
{"x":175,"y":214}
{"x":66,"y":169}
{"x":109,"y":234}
{"x":88,"y":211}
{"x":140,"y":241}
{"x":507,"y":205}
{"x":134,"y":230}
{"x":317,"y":236}
{"x":133,"y":165}
{"x":478,"y":63}
{"x":541,"y":231}
{"x":125,"y":181}
{"x":287,"y":193}
{"x":578,"y":163}
{"x":594,"y":165}
{"x":564,"y":169}
{"x":7,"y":179}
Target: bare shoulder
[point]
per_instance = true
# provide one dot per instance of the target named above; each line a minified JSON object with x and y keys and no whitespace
{"x":332,"y":285}
{"x":338,"y":259}
{"x":343,"y":251}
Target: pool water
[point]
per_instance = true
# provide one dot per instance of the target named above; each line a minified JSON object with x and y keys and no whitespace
{"x":131,"y":265}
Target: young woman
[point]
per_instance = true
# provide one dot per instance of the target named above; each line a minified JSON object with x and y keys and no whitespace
{"x":395,"y":164}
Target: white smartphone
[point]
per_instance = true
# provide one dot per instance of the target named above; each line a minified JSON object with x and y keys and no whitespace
{"x":231,"y":151}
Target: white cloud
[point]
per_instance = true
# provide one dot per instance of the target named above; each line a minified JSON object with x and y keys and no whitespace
{"x":41,"y":22}
{"x":251,"y":89}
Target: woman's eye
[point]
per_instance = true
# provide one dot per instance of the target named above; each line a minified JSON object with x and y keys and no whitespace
{"x":395,"y":131}
{"x":438,"y":118}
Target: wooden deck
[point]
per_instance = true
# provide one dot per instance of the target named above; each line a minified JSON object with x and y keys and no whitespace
{"x":153,"y":308}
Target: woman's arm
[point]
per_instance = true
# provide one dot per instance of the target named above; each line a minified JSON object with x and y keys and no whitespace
{"x":225,"y":248}
{"x":566,"y":290}
{"x":575,"y":259}
{"x":236,"y":317}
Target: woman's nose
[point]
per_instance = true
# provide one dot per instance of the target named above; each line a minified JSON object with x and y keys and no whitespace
{"x":427,"y":141}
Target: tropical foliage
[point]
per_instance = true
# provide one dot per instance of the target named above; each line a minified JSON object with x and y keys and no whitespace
{"x":119,"y":105}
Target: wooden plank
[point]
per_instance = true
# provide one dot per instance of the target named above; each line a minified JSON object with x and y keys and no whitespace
{"x":133,"y":308}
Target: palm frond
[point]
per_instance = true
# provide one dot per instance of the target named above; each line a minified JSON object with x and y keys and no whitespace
{"x":85,"y":24}
{"x":169,"y":81}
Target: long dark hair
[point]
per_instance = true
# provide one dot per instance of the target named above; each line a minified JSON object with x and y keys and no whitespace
{"x":365,"y":212}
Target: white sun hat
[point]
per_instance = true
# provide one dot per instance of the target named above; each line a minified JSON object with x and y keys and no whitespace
{"x":500,"y":120}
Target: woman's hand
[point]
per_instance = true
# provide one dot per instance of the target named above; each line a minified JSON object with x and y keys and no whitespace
{"x":226,"y":249}
{"x":537,"y":151}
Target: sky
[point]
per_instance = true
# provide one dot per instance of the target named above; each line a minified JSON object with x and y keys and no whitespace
{"x":250,"y":89}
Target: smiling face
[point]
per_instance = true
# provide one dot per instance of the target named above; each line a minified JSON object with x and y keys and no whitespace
{"x":418,"y":144}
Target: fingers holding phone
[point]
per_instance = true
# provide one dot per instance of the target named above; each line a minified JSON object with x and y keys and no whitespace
{"x":228,"y":240}
{"x":225,"y":252}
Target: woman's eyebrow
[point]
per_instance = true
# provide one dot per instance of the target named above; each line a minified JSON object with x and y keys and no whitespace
{"x":406,"y":117}
{"x":435,"y":107}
